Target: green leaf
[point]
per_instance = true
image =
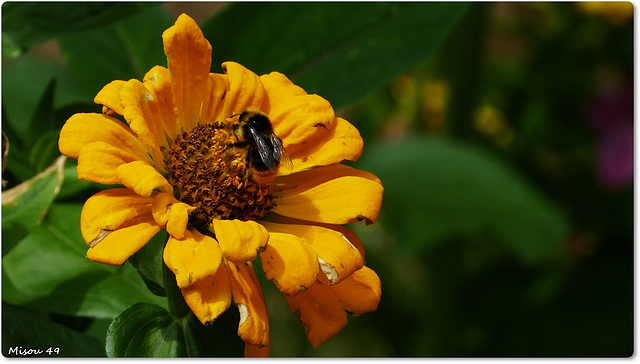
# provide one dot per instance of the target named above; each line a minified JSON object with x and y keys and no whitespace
{"x":149,"y":263}
{"x":48,"y":270}
{"x":438,"y":188}
{"x":23,"y":330}
{"x":146,"y":330}
{"x":24,"y":206}
{"x":26,"y":24}
{"x":120,"y":51}
{"x":341,"y":51}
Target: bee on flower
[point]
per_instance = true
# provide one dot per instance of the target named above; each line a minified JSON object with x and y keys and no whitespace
{"x":234,"y":166}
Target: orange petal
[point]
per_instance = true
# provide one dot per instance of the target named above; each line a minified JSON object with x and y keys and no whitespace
{"x":98,"y":162}
{"x":210,"y":296}
{"x":289,"y":263}
{"x":338,"y":258}
{"x":139,"y":106}
{"x":193,"y":258}
{"x":171,"y":214}
{"x":319,"y":311}
{"x":327,"y":147}
{"x":335,"y":194}
{"x":245,"y":89}
{"x":247,"y":294}
{"x":163,"y":109}
{"x":240,"y":241}
{"x":214,"y":102}
{"x":255,"y":351}
{"x":109,"y":96}
{"x":115,"y":247}
{"x":360,"y":293}
{"x":82,"y":129}
{"x":142,"y":178}
{"x":109,"y":209}
{"x":189,"y":58}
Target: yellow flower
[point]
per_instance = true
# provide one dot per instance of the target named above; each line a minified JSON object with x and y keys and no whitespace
{"x":187,"y":165}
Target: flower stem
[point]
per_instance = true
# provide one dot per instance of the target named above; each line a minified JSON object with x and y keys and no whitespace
{"x":177,"y":305}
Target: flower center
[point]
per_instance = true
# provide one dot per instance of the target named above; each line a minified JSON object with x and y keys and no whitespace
{"x":208,"y":172}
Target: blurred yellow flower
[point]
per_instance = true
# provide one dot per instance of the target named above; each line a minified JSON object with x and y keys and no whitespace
{"x":617,"y":12}
{"x":197,"y":158}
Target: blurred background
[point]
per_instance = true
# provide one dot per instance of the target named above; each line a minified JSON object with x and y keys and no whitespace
{"x":502,"y":133}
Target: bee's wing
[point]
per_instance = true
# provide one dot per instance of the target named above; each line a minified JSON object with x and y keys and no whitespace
{"x":265,"y":152}
{"x":283,"y":157}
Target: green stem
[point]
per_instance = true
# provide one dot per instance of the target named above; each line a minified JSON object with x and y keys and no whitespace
{"x":177,"y":305}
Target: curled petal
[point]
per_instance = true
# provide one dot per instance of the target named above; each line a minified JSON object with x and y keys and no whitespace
{"x":320,"y":313}
{"x":240,"y":241}
{"x":210,"y":296}
{"x":109,"y":209}
{"x":109,"y":96}
{"x":98,"y":162}
{"x":171,"y":214}
{"x":82,"y":129}
{"x":335,"y":194}
{"x":361,"y":292}
{"x":247,"y":294}
{"x":115,"y":247}
{"x":193,"y":258}
{"x":189,"y":58}
{"x":327,"y":147}
{"x":245,"y":89}
{"x":163,"y":108}
{"x":337,"y":256}
{"x":142,"y":178}
{"x":289,"y":263}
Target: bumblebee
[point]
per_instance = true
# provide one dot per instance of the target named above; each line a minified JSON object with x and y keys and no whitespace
{"x":265,"y":152}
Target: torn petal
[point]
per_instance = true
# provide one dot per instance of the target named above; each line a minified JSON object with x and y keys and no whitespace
{"x":361,"y":292}
{"x":142,"y":178}
{"x":171,"y":214}
{"x":247,"y":294}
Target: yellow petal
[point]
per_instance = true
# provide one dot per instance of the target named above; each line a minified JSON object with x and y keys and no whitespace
{"x":290,"y":263}
{"x":245,"y":89}
{"x":163,"y":109}
{"x":214,"y":102}
{"x":319,"y":311}
{"x":98,"y":162}
{"x":338,"y":258}
{"x":109,"y":209}
{"x":247,"y":294}
{"x":335,"y":194}
{"x":189,"y":58}
{"x":171,"y":214}
{"x":298,"y":119}
{"x":240,"y":241}
{"x":109,"y":96}
{"x":210,"y":296}
{"x":139,"y":106}
{"x":360,"y":293}
{"x":82,"y":129}
{"x":255,"y":351}
{"x":327,"y":147}
{"x":193,"y":258}
{"x":115,"y":247}
{"x":278,"y":88}
{"x":142,"y":178}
